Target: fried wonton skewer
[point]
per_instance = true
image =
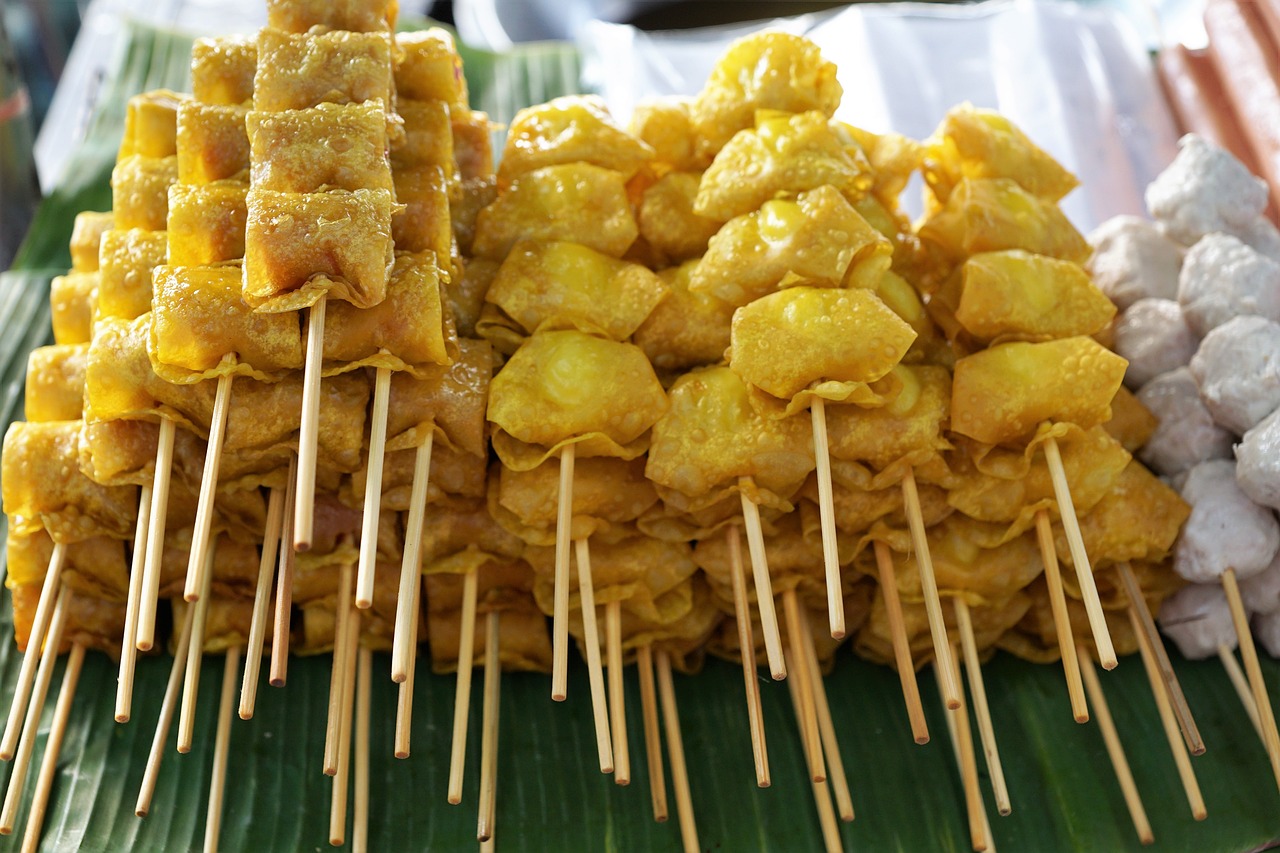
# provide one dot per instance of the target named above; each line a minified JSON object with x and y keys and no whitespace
{"x":978,"y":690}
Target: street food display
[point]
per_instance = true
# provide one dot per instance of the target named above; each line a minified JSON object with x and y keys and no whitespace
{"x":627,"y":347}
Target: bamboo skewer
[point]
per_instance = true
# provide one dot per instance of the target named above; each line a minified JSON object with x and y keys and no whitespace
{"x":821,"y":793}
{"x":1249,"y":654}
{"x":1181,"y":758}
{"x":962,"y":745}
{"x":167,"y":709}
{"x":901,"y":646}
{"x":203,"y":529}
{"x":763,"y":584}
{"x":360,"y":834}
{"x":1115,"y":750}
{"x":808,"y":712}
{"x":284,"y":583}
{"x":221,"y":748}
{"x":53,"y":745}
{"x":49,"y":594}
{"x":827,"y":730}
{"x":617,"y":694}
{"x":337,"y":676}
{"x":747,"y":647}
{"x":129,"y":640}
{"x":1149,"y":638}
{"x":489,"y":730}
{"x":652,"y":733}
{"x":159,"y":512}
{"x":195,"y":654}
{"x":39,"y":693}
{"x":261,"y":604}
{"x":372,"y":509}
{"x":981,"y":710}
{"x":309,"y":430}
{"x":827,"y":513}
{"x":1241,"y":685}
{"x":560,"y":609}
{"x":405,"y":643}
{"x":1080,"y":559}
{"x":342,"y":771}
{"x":929,"y":588}
{"x":462,"y":691}
{"x":404,"y":699}
{"x":1061,"y":617}
{"x":675,"y":750}
{"x":595,"y":672}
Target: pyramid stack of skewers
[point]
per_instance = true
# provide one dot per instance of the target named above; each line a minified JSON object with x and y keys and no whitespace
{"x":328,"y":381}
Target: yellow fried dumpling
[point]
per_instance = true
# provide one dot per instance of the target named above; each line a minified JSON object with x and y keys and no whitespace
{"x":560,"y":285}
{"x":428,"y":137}
{"x":72,"y":303}
{"x":977,"y":143}
{"x":446,"y":400}
{"x":140,"y":191}
{"x":428,"y":68}
{"x":908,"y":427}
{"x":301,"y":246}
{"x":1137,"y":520}
{"x":894,"y":159}
{"x":576,"y":202}
{"x":267,"y":415}
{"x":55,"y":382}
{"x":201,"y":327}
{"x":991,"y":214}
{"x":818,"y":239}
{"x":125,"y":261}
{"x":1017,"y":295}
{"x":421,"y":224}
{"x":299,"y":70}
{"x":207,"y":222}
{"x":150,"y":124}
{"x":212,"y":142}
{"x":712,"y":436}
{"x":665,"y":126}
{"x":1010,"y":485}
{"x":43,"y":485}
{"x":667,"y":220}
{"x":121,"y":384}
{"x":93,"y":566}
{"x":783,"y":155}
{"x":833,"y":342}
{"x":1131,"y":422}
{"x":606,"y":492}
{"x":569,"y":129}
{"x":685,"y":329}
{"x":473,"y":144}
{"x":1002,"y":394}
{"x":222,"y":69}
{"x":405,"y":331}
{"x":564,"y":387}
{"x":762,"y":71}
{"x":328,"y":146}
{"x":86,"y":237}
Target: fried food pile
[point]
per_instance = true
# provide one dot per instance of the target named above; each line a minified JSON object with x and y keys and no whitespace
{"x":675,"y":300}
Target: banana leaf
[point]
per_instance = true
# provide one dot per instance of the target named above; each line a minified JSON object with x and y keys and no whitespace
{"x":550,"y":795}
